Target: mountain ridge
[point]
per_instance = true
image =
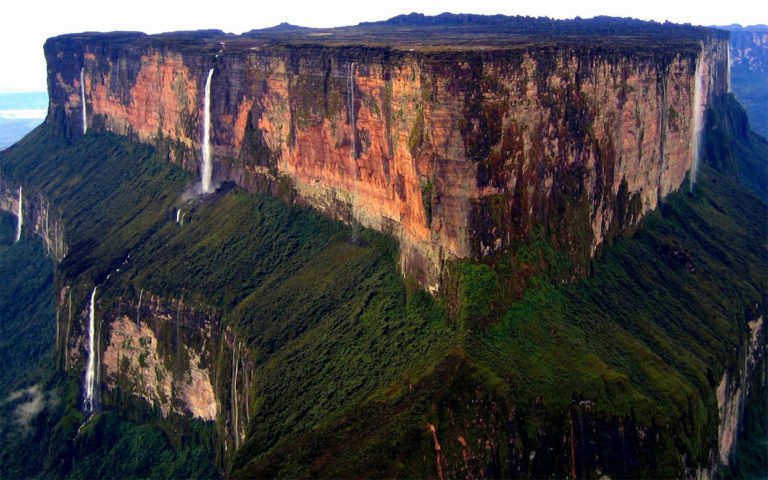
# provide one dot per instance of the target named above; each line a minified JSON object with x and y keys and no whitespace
{"x":248,"y":333}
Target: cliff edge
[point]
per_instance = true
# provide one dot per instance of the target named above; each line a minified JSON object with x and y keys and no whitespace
{"x":457,"y":141}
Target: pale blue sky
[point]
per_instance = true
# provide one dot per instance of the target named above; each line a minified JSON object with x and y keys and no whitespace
{"x":26,"y":24}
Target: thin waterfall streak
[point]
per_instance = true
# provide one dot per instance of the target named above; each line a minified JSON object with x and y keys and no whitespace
{"x":351,"y":101}
{"x":20,"y":217}
{"x":138,"y":308}
{"x":69,"y":330}
{"x":82,"y":100}
{"x":234,"y":395}
{"x":728,"y":61}
{"x":58,"y":319}
{"x":351,"y":107}
{"x":90,"y":371}
{"x":46,"y":227}
{"x":207,"y":167}
{"x":698,"y":113}
{"x":245,"y":389}
{"x":97,"y":373}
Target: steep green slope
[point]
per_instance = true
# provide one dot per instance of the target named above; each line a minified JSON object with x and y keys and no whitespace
{"x":53,"y":442}
{"x":638,"y":347}
{"x":359,"y":373}
{"x":333,"y":316}
{"x":631,"y":353}
{"x":40,"y":430}
{"x":733,"y":149}
{"x":26,"y":308}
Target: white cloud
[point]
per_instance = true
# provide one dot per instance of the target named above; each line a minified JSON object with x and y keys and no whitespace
{"x":36,"y":114}
{"x":26,"y":411}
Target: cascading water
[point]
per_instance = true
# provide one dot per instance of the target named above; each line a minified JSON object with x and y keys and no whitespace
{"x":138,"y":308}
{"x":20,"y":217}
{"x":90,"y":371}
{"x":728,"y":60}
{"x":697,"y":120}
{"x":178,"y":214}
{"x":351,"y":108}
{"x":82,"y":100}
{"x":207,"y":168}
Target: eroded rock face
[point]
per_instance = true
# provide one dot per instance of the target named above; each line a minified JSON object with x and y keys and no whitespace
{"x":39,"y":218}
{"x":733,"y":390}
{"x":132,"y":353}
{"x":458,"y":154}
{"x":159,"y":349}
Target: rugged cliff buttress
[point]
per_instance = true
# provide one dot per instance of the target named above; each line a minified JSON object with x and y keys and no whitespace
{"x":458,"y":150}
{"x":503,"y":173}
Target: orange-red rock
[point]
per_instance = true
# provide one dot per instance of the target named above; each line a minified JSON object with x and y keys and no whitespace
{"x":457,"y":155}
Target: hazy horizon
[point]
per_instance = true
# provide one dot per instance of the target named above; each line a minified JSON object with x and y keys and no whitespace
{"x":20,"y":112}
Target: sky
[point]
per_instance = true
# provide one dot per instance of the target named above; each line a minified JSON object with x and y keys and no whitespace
{"x":25,"y":26}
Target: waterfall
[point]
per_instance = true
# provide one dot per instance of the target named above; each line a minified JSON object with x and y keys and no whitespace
{"x":178,"y":213}
{"x":351,"y":106}
{"x":90,"y":371}
{"x":697,"y":120}
{"x":138,"y":308}
{"x":728,"y":60}
{"x":207,"y":169}
{"x":82,"y":100}
{"x":20,"y":218}
{"x":69,"y":329}
{"x":235,"y":426}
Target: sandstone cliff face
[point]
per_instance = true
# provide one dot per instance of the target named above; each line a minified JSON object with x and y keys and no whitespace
{"x":458,"y":154}
{"x":734,"y":388}
{"x":481,"y":435}
{"x":160,"y":350}
{"x":168,"y":352}
{"x":39,"y":218}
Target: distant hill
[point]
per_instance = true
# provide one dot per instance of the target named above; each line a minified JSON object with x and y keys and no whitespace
{"x":749,"y":72}
{"x":19,"y":114}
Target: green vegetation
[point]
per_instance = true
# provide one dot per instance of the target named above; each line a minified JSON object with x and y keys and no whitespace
{"x":642,"y":332}
{"x":111,"y":447}
{"x":416,"y":137}
{"x":39,"y":408}
{"x":643,"y":342}
{"x":733,"y":149}
{"x":352,"y":363}
{"x":333,"y":316}
{"x":107,"y":192}
{"x":26,"y":308}
{"x":55,"y":443}
{"x":427,"y":198}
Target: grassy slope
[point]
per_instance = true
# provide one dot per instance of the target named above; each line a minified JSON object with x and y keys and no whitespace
{"x":652,"y":330}
{"x":352,"y":362}
{"x":105,"y":189}
{"x":26,"y":307}
{"x":733,"y":149}
{"x":646,"y":339}
{"x":334,"y":317}
{"x":47,"y":442}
